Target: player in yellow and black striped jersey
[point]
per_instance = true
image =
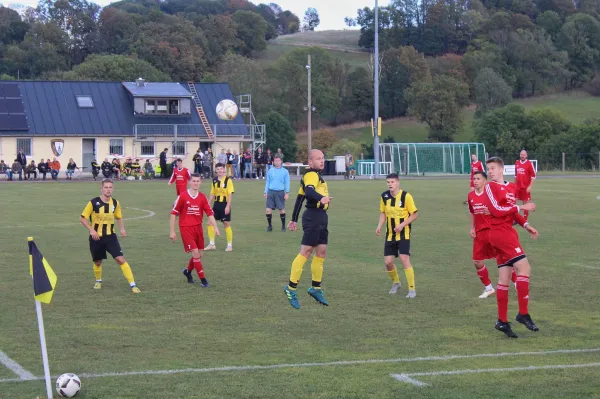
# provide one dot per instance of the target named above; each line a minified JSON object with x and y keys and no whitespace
{"x":99,"y":217}
{"x":314,"y":190}
{"x":398,"y":210}
{"x":221,"y":192}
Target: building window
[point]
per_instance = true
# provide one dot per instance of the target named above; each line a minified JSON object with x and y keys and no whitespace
{"x":116,"y":147}
{"x":174,"y":107}
{"x":25,"y":145}
{"x":179,"y":148}
{"x":147,"y":148}
{"x":85,"y":102}
{"x":162,"y":107}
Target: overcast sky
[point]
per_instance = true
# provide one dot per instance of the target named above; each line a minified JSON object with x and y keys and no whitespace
{"x":331,"y":12}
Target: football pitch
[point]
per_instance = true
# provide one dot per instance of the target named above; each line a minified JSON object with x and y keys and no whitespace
{"x":241,"y":338}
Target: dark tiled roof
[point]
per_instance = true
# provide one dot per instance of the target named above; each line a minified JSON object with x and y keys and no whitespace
{"x":51,"y":110}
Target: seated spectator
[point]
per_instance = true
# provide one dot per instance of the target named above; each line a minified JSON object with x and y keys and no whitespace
{"x":54,"y":169}
{"x":17,"y":168}
{"x":4,"y":169}
{"x":149,"y":170}
{"x":116,"y":168}
{"x":42,"y":168}
{"x":32,"y":170}
{"x":136,"y":168}
{"x":106,"y":168}
{"x":71,"y":166}
{"x":95,"y":169}
{"x":128,"y":167}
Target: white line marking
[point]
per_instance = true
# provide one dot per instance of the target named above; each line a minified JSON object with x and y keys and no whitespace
{"x":407,"y":377}
{"x":149,"y":214}
{"x":324,"y":364}
{"x":16,"y":368}
{"x":586,"y":266}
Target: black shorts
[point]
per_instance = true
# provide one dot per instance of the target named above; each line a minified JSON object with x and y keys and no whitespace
{"x":396,"y":248}
{"x":219,"y":210}
{"x":106,"y":244}
{"x":314,"y":225}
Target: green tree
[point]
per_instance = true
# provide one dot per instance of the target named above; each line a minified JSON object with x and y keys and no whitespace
{"x":311,"y":19}
{"x":550,"y":21}
{"x":280,"y":134}
{"x":220,"y":32}
{"x":418,"y":69}
{"x":439,"y":103}
{"x":344,"y":145}
{"x":359,"y":94}
{"x":12,"y":28}
{"x":251,"y":32}
{"x":491,"y":91}
{"x":580,"y":38}
{"x":395,"y":79}
{"x":115,"y":68}
{"x":581,"y":144}
{"x":117,"y":29}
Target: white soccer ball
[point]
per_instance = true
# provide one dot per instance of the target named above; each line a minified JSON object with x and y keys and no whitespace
{"x":68,"y":385}
{"x":227,"y":110}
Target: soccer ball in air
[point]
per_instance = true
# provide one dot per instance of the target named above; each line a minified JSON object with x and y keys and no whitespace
{"x":67,"y":385}
{"x":227,"y":110}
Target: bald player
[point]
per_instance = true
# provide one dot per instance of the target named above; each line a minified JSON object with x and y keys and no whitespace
{"x":314,"y":190}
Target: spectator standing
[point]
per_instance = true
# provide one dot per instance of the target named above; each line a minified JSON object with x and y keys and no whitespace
{"x":22,"y":159}
{"x":95,"y":169}
{"x":163,"y":163}
{"x":277,"y":191}
{"x":229,"y":163}
{"x":222,"y":157}
{"x":248,"y":163}
{"x":236,"y":165}
{"x":42,"y":168}
{"x":280,"y":154}
{"x":269,"y":159}
{"x":349,"y":162}
{"x":261,"y":160}
{"x":198,"y":161}
{"x":208,"y":163}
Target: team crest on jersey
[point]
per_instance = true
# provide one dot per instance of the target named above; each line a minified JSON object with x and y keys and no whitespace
{"x":57,"y":146}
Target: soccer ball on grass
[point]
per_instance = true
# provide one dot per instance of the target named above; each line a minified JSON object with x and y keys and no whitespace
{"x":68,"y":385}
{"x":227,"y":110}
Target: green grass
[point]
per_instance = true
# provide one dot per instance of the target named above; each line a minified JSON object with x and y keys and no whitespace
{"x":244,"y":318}
{"x":575,"y":106}
{"x":342,"y":39}
{"x":276,"y":50}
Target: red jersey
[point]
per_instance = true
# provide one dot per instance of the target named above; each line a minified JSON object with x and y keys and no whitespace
{"x":476,"y":166}
{"x":190,"y":209}
{"x":502,"y":203}
{"x":478,"y":205}
{"x":524,"y":173}
{"x":180,"y":177}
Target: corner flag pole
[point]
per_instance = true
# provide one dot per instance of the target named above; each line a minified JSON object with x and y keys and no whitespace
{"x":40,"y":319}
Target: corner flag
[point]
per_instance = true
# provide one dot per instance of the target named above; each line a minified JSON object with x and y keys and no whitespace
{"x":44,"y":278}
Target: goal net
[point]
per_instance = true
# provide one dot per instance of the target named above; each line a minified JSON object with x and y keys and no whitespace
{"x":430,"y":158}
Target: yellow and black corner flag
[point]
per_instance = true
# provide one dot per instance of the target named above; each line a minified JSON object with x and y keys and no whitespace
{"x":44,"y":278}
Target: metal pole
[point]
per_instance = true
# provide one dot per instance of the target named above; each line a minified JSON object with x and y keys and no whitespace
{"x":376,"y":91}
{"x":563,"y":161}
{"x":309,"y":108}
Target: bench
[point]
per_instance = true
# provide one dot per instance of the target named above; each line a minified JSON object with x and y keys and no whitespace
{"x":295,"y":165}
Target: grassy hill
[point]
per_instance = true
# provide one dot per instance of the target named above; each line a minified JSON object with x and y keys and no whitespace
{"x":575,"y":106}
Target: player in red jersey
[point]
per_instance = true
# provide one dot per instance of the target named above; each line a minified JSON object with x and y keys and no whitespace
{"x":180,"y":176}
{"x":505,"y":241}
{"x":476,"y":166}
{"x":190,"y":207}
{"x":480,"y":232}
{"x":524,"y":178}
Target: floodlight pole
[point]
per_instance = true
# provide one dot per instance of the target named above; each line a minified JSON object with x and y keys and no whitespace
{"x":309,"y":107}
{"x":376,"y":93}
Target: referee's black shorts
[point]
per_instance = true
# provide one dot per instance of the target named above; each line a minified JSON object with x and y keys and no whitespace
{"x":106,"y":244}
{"x":314,"y":225}
{"x":219,"y":211}
{"x":396,"y":248}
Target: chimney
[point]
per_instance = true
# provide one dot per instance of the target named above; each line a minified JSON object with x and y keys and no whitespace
{"x":140,"y":82}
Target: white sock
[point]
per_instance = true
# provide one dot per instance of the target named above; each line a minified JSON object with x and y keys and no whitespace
{"x":132,"y":284}
{"x":212,"y":243}
{"x":489,"y":287}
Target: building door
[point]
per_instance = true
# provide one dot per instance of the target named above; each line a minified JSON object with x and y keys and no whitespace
{"x":88,"y":152}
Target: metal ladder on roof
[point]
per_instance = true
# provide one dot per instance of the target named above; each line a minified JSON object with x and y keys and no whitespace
{"x":200,"y":110}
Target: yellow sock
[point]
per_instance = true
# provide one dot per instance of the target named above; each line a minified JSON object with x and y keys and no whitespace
{"x":316,"y":267}
{"x":127,"y":273}
{"x":98,"y":272}
{"x":211,"y":234}
{"x":229,"y":235}
{"x":394,"y":275}
{"x":410,"y":277}
{"x":297,"y":266}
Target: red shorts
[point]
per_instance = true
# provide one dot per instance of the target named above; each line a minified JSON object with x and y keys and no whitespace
{"x":523,"y":195}
{"x":505,"y":242}
{"x":180,"y":190}
{"x":482,"y":246}
{"x":192,"y":237}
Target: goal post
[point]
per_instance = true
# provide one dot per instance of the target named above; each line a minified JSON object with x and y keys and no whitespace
{"x":430,"y":158}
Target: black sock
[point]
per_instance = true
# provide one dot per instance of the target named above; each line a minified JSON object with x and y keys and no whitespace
{"x":269,"y":217}
{"x":282,"y":219}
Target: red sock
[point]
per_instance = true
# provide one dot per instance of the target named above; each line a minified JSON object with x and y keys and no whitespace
{"x":484,"y":276}
{"x":523,"y":294}
{"x":190,"y":266}
{"x":502,"y":300}
{"x":513,"y":276}
{"x":526,"y":214}
{"x":198,"y":267}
